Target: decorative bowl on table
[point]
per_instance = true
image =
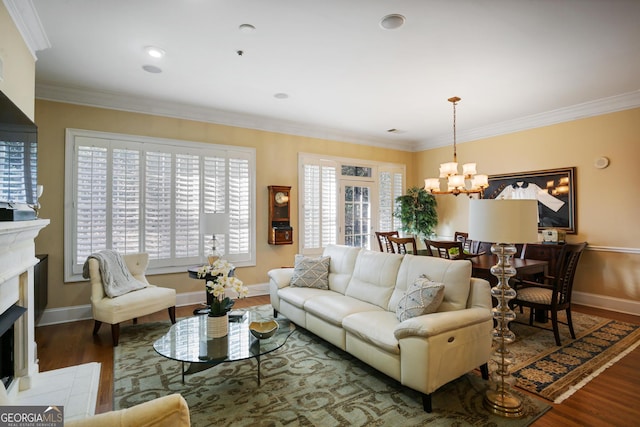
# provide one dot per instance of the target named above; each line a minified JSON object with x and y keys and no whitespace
{"x":263,"y":330}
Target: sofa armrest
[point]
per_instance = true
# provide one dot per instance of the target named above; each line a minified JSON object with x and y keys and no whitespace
{"x":433,"y":324}
{"x":281,"y":277}
{"x":166,"y":411}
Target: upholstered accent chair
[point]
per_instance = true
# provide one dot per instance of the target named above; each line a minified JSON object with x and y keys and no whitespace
{"x":131,"y":305}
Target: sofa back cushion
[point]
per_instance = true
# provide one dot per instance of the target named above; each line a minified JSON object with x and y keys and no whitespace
{"x":343,"y":261}
{"x":454,"y":274}
{"x":374,"y":277}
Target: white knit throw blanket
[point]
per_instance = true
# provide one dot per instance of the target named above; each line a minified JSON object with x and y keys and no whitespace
{"x":116,"y":277}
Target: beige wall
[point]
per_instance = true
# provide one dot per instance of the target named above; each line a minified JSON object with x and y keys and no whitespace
{"x":608,"y":201}
{"x":276,"y":164}
{"x":19,"y":65}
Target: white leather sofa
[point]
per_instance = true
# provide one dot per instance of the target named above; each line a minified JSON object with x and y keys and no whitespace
{"x":358,"y":314}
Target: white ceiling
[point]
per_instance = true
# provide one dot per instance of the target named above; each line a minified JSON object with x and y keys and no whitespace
{"x":515,"y":63}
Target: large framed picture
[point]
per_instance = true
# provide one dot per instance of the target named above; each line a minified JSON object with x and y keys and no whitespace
{"x":554,"y":189}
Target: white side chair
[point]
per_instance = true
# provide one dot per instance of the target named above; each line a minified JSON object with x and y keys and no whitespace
{"x":131,"y":305}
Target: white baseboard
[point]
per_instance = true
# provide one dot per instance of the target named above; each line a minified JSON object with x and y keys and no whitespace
{"x":54,"y":316}
{"x":82,"y":312}
{"x":607,"y":303}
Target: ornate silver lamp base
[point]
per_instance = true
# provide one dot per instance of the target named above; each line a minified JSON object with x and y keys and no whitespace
{"x":500,"y":400}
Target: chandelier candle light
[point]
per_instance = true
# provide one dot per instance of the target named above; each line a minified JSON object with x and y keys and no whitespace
{"x":504,"y":221}
{"x":457,"y":183}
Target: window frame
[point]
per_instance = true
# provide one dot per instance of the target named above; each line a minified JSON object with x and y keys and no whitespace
{"x":73,"y":139}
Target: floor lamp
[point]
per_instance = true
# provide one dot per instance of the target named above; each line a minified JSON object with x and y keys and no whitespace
{"x":504,"y":222}
{"x":212,"y":224}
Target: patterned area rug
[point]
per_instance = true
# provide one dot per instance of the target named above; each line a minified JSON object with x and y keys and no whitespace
{"x":556,"y":372}
{"x":306,"y":382}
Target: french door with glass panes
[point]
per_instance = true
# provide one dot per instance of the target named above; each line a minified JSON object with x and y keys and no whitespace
{"x":357,"y":200}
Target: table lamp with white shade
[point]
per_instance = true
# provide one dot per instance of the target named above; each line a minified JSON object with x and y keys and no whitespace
{"x":213,"y":224}
{"x":503,"y":222}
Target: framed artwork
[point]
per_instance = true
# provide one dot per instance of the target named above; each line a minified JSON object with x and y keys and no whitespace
{"x":553,"y":188}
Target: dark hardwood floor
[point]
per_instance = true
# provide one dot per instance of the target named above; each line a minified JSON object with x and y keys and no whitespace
{"x":610,"y":399}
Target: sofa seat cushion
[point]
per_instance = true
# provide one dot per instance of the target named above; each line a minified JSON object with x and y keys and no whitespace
{"x":375,"y":327}
{"x":334,"y":307}
{"x":298,"y":296}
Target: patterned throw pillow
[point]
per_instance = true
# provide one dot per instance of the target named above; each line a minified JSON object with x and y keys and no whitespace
{"x":422,"y":297}
{"x":311,"y":272}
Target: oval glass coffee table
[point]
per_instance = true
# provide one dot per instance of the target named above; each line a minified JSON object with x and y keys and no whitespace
{"x":187,"y":341}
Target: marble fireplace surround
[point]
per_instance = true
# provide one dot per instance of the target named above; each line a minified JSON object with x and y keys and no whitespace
{"x":17,"y":259}
{"x":75,"y":387}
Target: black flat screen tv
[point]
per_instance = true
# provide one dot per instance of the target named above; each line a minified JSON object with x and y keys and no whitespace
{"x":18,"y":155}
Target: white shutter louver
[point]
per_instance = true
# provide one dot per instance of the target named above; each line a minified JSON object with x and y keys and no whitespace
{"x":158,"y":205}
{"x":91,"y":201}
{"x":125,"y":201}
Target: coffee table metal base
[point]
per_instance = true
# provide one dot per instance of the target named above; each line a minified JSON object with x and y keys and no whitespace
{"x":194,"y":368}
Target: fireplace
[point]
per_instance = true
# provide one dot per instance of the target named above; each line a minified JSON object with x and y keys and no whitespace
{"x":7,"y":340}
{"x":17,"y":324}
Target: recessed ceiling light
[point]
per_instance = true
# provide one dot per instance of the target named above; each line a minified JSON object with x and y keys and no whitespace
{"x":392,"y":21}
{"x":152,"y":69}
{"x":154,"y":52}
{"x":281,"y":95}
{"x":247,"y":28}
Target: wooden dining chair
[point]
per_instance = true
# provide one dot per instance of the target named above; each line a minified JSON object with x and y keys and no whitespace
{"x":400,"y":244}
{"x":445,"y":249}
{"x":554,"y":294}
{"x":462,"y":237}
{"x":383,"y":241}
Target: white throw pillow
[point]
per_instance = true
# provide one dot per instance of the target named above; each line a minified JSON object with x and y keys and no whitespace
{"x":311,"y":272}
{"x":422,"y":297}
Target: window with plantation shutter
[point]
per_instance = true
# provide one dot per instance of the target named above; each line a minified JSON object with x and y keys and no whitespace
{"x":17,"y":171}
{"x":319,"y":202}
{"x":139,"y":194}
{"x":391,"y":186}
{"x":321,"y":219}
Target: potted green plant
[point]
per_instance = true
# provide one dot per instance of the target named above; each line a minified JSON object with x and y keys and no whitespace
{"x":417,"y":211}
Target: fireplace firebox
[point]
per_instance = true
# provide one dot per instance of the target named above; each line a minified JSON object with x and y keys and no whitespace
{"x":7,"y":363}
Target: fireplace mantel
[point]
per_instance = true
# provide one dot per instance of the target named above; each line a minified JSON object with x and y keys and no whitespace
{"x":17,"y":259}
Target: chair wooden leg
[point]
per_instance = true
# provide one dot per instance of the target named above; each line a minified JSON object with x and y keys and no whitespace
{"x":135,"y":320}
{"x":172,"y":314}
{"x":96,"y":327}
{"x":426,"y":403}
{"x":570,"y":323}
{"x":554,"y":321}
{"x":531,"y":311}
{"x":115,"y":334}
{"x":484,"y":370}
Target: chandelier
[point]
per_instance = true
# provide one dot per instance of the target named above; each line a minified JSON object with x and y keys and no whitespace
{"x":469,"y":182}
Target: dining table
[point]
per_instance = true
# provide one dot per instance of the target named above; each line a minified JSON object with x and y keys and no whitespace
{"x":481,"y":266}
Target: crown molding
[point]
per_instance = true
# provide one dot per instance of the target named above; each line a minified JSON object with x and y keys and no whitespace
{"x":25,"y":17}
{"x":117,"y":101}
{"x":612,"y":104}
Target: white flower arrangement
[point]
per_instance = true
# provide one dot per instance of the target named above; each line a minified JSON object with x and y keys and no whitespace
{"x":221,"y":280}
